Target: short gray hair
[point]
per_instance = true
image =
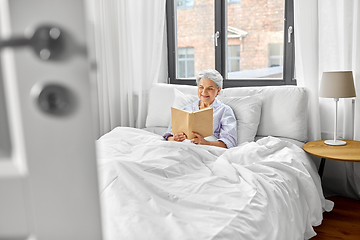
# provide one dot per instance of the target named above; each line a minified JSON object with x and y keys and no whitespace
{"x":211,"y":74}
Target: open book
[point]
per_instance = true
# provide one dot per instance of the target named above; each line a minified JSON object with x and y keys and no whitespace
{"x":200,"y":121}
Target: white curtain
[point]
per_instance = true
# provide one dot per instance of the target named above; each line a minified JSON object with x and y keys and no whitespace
{"x":327,"y":37}
{"x":353,"y":169}
{"x":130,"y":51}
{"x":307,"y":59}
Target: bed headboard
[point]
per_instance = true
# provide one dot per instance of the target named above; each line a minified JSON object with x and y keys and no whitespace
{"x":283,"y":110}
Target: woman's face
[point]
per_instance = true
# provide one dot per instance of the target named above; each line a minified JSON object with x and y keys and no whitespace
{"x":207,"y":91}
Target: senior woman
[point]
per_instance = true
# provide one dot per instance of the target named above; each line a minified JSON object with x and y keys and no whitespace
{"x":209,"y":84}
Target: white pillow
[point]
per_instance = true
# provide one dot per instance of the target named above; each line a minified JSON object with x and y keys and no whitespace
{"x":181,"y":99}
{"x":247,"y":112}
{"x":161,"y":97}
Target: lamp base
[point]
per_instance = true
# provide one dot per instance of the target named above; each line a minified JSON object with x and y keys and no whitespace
{"x":335,"y":142}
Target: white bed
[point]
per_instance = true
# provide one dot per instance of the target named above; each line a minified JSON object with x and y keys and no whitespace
{"x":266,"y":188}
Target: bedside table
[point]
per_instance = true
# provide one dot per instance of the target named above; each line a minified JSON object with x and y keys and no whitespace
{"x":349,"y":152}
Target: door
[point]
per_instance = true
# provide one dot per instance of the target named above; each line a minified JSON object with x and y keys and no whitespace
{"x":48,"y":174}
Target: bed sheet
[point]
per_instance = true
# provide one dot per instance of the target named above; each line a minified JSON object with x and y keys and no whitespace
{"x":156,"y":189}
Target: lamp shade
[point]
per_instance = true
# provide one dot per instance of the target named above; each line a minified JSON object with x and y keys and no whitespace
{"x":337,"y":85}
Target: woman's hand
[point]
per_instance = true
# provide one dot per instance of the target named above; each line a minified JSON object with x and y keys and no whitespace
{"x":179,"y":137}
{"x":199,"y":139}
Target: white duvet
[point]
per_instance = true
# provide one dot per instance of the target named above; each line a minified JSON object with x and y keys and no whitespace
{"x":155,"y":189}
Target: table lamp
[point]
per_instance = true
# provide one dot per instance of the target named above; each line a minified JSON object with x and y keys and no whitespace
{"x":339,"y":84}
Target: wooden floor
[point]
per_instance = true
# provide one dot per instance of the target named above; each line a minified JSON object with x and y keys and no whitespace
{"x":343,"y":222}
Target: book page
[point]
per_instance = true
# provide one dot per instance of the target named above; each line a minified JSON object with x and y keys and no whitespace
{"x":200,"y":121}
{"x":180,"y":121}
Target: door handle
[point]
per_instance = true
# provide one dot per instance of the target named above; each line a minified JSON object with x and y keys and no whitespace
{"x":47,"y":42}
{"x":290,"y":31}
{"x":216,"y":36}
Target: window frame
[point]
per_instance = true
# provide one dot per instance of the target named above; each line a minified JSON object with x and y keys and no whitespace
{"x":220,"y":7}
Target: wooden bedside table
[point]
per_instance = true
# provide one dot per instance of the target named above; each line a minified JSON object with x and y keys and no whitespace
{"x":349,"y":152}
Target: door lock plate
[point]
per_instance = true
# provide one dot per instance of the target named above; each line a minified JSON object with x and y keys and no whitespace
{"x":55,"y":99}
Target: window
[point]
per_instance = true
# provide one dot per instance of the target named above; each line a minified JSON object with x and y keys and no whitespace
{"x":233,"y":58}
{"x":247,"y":41}
{"x":186,"y":62}
{"x":275,"y":54}
{"x":182,"y":4}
